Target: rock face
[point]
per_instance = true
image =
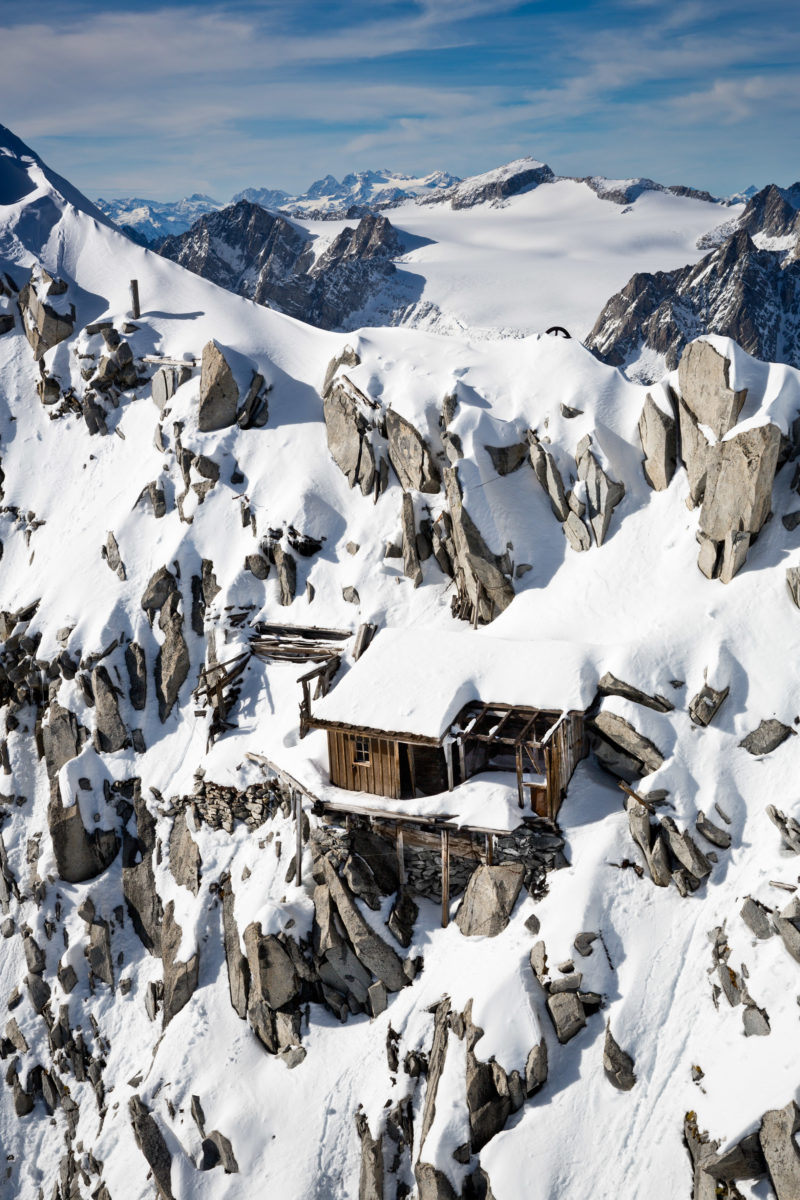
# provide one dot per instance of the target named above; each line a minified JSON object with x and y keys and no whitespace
{"x":769,"y":735}
{"x":657,"y":430}
{"x":489,"y":899}
{"x":778,"y":1127}
{"x":166,"y":382}
{"x":603,"y":494}
{"x":267,"y":258}
{"x":549,"y":477}
{"x":219,"y":395}
{"x":704,"y":381}
{"x":80,"y":855}
{"x":62,"y":738}
{"x":731,"y":291}
{"x":622,"y":749}
{"x":370,"y":949}
{"x":617,"y":1065}
{"x":44,"y":326}
{"x":410,"y":456}
{"x":111,"y":734}
{"x":137,"y":675}
{"x":172,"y":663}
{"x":138,"y":878}
{"x":184,"y":855}
{"x":180,"y":978}
{"x":483,"y":587}
{"x":238,"y":968}
{"x":348,"y":430}
{"x":411,"y":565}
{"x":150,"y":1141}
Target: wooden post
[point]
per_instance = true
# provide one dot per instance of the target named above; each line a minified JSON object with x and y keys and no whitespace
{"x":520,"y":799}
{"x":298,"y":820}
{"x":401,"y":865}
{"x":462,"y":759}
{"x":135,"y":299}
{"x":445,"y":878}
{"x":490,"y":850}
{"x":448,"y":756}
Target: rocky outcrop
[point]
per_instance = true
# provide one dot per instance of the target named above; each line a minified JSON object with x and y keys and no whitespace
{"x":484,"y":591}
{"x":166,"y":382}
{"x":410,"y":456}
{"x":778,"y":1127}
{"x":180,"y":977}
{"x":609,"y":685}
{"x":44,"y":326}
{"x":264,"y":256}
{"x":138,"y":878}
{"x":704,"y":381}
{"x":370,"y":1180}
{"x":767,"y":737}
{"x":621,"y":749}
{"x":219,"y":394}
{"x":238,"y":967}
{"x":184,"y":854}
{"x":411,"y":565}
{"x":172,"y":663}
{"x":372,"y":952}
{"x":62,"y":738}
{"x":731,"y":291}
{"x":150,"y":1141}
{"x":603,"y":494}
{"x":489,"y":899}
{"x":137,"y":675}
{"x":737,"y":496}
{"x":79,"y":855}
{"x":549,"y":476}
{"x":349,"y":422}
{"x":110,"y":732}
{"x":658,"y":434}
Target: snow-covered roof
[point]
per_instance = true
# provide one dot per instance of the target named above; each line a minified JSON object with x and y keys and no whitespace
{"x":416,"y":682}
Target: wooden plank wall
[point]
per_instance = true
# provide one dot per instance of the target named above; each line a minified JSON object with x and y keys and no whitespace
{"x":381,"y":775}
{"x":563,"y":753}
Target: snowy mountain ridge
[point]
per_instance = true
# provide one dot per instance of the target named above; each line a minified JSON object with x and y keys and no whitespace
{"x":183,"y":1014}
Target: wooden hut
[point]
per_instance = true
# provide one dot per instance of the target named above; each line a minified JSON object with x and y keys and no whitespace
{"x":422,"y":712}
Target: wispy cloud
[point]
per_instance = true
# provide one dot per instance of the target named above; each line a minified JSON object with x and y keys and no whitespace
{"x":169,"y":98}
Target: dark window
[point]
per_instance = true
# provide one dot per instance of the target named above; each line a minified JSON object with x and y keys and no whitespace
{"x":362,"y":750}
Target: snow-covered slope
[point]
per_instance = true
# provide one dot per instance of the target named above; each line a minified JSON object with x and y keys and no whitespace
{"x":637,"y":602}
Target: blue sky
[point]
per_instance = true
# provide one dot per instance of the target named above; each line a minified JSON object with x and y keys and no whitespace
{"x":164,"y":99}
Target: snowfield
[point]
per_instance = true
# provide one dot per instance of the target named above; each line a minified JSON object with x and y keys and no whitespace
{"x":636,"y":606}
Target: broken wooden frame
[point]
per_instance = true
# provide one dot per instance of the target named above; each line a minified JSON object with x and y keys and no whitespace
{"x":546,"y":743}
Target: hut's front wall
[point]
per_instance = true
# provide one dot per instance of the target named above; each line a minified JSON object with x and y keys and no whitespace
{"x":364,"y":764}
{"x":564,"y":751}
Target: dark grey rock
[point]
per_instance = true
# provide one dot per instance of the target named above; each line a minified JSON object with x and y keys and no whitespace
{"x":257,"y":565}
{"x":506,"y":459}
{"x":287,"y":573}
{"x":482,"y":584}
{"x":370,"y":949}
{"x":756,"y":918}
{"x":745,"y":1160}
{"x":711,"y":832}
{"x":137,"y":675}
{"x":219,"y":395}
{"x":549,"y":476}
{"x":273,"y":978}
{"x":703,"y":378}
{"x":620,"y":734}
{"x":184,"y":854}
{"x":567,"y":1014}
{"x":603,"y":494}
{"x":432,"y":1184}
{"x":793,"y":583}
{"x":767,"y":737}
{"x":79,"y":855}
{"x":62,"y":738}
{"x":436,"y":1062}
{"x":150,"y":1141}
{"x":370,"y":1183}
{"x":44,"y":327}
{"x":685,"y":849}
{"x":411,"y":565}
{"x":180,"y":978}
{"x":111,"y":734}
{"x":172,"y":662}
{"x":755,"y":1021}
{"x":618,"y":1065}
{"x":238,"y":968}
{"x":657,"y":431}
{"x":160,"y":587}
{"x":789,"y":828}
{"x":609,"y":685}
{"x":536,"y":1068}
{"x":113,"y":557}
{"x":576,"y":533}
{"x":489,"y":899}
{"x":778,"y":1127}
{"x":410,"y":455}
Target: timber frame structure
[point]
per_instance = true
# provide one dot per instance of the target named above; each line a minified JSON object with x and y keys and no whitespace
{"x":541,"y":746}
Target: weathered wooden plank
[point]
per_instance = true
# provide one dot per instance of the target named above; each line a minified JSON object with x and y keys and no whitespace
{"x":445,"y":878}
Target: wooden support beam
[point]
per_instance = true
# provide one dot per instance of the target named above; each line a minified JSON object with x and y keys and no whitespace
{"x":401,"y":864}
{"x":462,"y":759}
{"x":520,"y":799}
{"x":445,"y":878}
{"x":489,"y":849}
{"x":135,"y":310}
{"x":448,"y":757}
{"x":298,"y":820}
